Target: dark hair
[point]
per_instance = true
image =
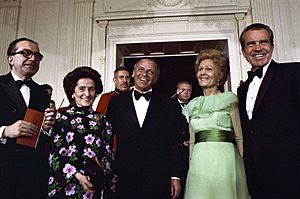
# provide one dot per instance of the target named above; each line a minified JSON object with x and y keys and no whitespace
{"x":219,"y":58}
{"x":71,"y":79}
{"x":46,"y":87}
{"x":120,"y":68}
{"x":256,"y":26}
{"x":12,"y":46}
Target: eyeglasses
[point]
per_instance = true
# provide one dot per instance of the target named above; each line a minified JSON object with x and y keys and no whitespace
{"x":28,"y":54}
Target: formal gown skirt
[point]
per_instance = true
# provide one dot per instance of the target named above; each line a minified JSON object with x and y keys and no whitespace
{"x":216,"y":172}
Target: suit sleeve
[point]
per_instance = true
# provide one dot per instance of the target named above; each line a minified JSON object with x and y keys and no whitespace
{"x":296,"y":84}
{"x":110,"y":111}
{"x":235,"y":118}
{"x":174,"y":144}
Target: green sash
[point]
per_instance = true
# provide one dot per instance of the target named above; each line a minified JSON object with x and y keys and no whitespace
{"x":214,"y":135}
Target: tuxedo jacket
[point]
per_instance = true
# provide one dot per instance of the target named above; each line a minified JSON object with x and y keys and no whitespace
{"x":272,"y":136}
{"x":148,"y":156}
{"x":23,"y":170}
{"x":182,"y":123}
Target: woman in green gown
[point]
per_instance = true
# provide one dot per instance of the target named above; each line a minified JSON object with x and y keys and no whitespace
{"x":216,"y":143}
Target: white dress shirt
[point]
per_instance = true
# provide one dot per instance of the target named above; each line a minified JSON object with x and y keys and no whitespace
{"x":141,"y":107}
{"x":253,"y":91}
{"x":25,"y":90}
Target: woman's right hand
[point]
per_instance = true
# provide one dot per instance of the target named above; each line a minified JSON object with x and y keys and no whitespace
{"x":85,"y":182}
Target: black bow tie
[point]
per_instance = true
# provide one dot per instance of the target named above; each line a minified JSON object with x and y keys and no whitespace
{"x":258,"y":73}
{"x":137,"y":95}
{"x":183,"y":104}
{"x":20,"y":83}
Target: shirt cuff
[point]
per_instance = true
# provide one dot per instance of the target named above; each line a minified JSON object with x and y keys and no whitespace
{"x":2,"y":140}
{"x":46,"y":132}
{"x":175,"y":178}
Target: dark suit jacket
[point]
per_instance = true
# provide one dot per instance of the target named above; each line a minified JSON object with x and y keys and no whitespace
{"x":184,"y":135}
{"x":23,"y":170}
{"x":272,"y":136}
{"x":146,"y":157}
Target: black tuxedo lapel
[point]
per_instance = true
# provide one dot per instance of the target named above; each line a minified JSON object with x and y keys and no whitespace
{"x":243,"y":97}
{"x":14,"y":93}
{"x":265,"y":84}
{"x":35,"y":95}
{"x":131,"y":109}
{"x":154,"y":107}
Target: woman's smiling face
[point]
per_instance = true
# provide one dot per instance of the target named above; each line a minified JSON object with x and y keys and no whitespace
{"x":208,"y":74}
{"x":85,"y":92}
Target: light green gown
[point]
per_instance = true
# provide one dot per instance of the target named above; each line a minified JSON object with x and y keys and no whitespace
{"x":216,"y":168}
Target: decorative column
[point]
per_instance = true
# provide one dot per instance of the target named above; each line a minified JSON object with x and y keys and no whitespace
{"x":82,"y":32}
{"x":275,"y":13}
{"x":99,"y":52}
{"x":262,"y":12}
{"x":244,"y":66}
{"x":9,"y":15}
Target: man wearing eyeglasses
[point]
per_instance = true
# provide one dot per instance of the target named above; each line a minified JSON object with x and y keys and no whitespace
{"x":23,"y":170}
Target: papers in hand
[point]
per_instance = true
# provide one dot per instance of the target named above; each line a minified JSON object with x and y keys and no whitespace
{"x":36,"y":118}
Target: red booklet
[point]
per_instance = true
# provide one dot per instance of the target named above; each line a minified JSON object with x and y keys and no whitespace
{"x":36,"y":118}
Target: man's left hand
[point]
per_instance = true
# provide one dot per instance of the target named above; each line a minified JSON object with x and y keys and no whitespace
{"x":49,"y":119}
{"x":175,"y":188}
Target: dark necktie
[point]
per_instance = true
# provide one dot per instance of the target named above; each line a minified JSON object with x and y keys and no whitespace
{"x":258,"y":73}
{"x":138,"y":95}
{"x":20,"y":83}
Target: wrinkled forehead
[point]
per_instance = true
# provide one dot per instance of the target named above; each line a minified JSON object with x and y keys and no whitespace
{"x":122,"y":73}
{"x":256,"y":35}
{"x":147,"y":64}
{"x":185,"y":85}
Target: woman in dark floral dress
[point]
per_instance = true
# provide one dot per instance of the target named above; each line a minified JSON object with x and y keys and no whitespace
{"x":81,"y":138}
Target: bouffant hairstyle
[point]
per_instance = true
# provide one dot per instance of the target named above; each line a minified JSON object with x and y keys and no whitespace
{"x":71,"y":79}
{"x":219,"y":58}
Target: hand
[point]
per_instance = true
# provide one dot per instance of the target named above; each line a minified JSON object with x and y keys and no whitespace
{"x":179,"y":92}
{"x":20,"y":128}
{"x":175,"y":188}
{"x":49,"y":118}
{"x":186,"y":143}
{"x":85,"y":182}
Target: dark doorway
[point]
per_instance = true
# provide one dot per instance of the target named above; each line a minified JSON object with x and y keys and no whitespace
{"x":173,"y":69}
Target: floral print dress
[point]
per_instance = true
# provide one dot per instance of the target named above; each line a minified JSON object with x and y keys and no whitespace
{"x":79,"y":133}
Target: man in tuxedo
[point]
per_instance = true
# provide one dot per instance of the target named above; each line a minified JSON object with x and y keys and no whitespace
{"x":184,"y":90}
{"x":269,"y":102}
{"x":147,"y":159}
{"x":182,"y":97}
{"x":23,"y":170}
